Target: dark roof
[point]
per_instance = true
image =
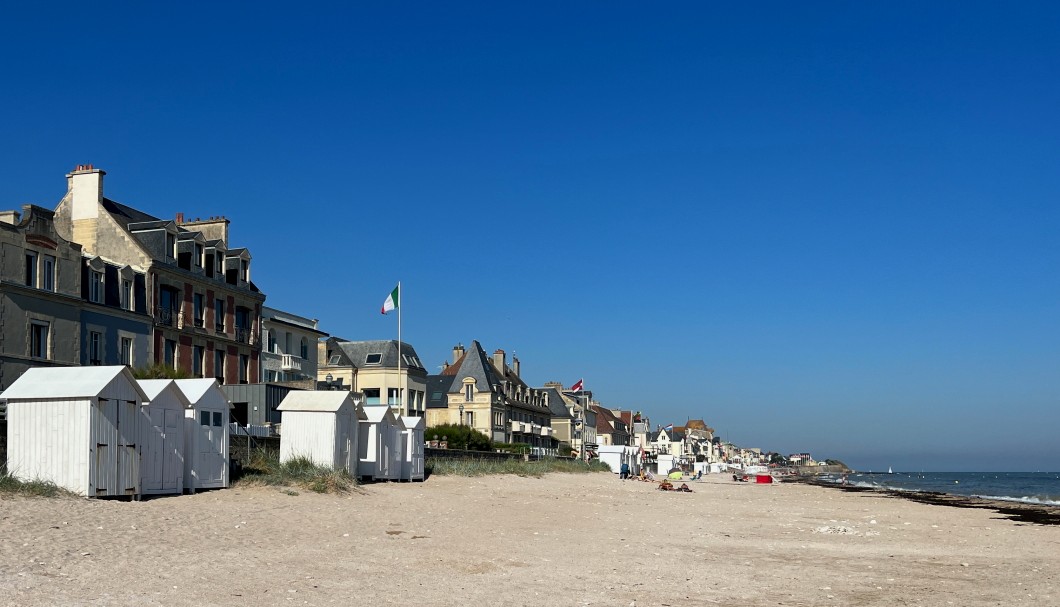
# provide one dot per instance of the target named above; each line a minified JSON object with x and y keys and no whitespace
{"x":437,"y":390}
{"x":126,"y":215}
{"x":356,"y":353}
{"x":556,"y":405}
{"x":476,"y":365}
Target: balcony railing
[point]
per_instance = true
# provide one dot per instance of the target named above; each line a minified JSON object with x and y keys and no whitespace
{"x":290,"y":362}
{"x":168,"y":317}
{"x":243,"y":335}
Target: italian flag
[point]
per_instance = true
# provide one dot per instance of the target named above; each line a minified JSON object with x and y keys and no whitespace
{"x":392,"y":301}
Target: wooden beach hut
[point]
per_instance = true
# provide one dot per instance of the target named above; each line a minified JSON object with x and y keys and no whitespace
{"x":378,"y":455}
{"x":206,"y":434}
{"x":322,"y":426}
{"x":162,"y":436}
{"x":77,"y":427}
{"x":412,"y":448}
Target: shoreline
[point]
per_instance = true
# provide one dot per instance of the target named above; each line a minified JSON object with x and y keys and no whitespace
{"x":1021,"y":512}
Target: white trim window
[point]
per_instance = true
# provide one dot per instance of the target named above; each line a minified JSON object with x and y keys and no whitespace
{"x":126,"y":295}
{"x":95,"y":348}
{"x":38,"y":339}
{"x":95,"y":286}
{"x":31,"y":269}
{"x":126,"y":351}
{"x":47,"y":273}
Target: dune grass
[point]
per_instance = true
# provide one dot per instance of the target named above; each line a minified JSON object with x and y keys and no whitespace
{"x":11,"y":486}
{"x":265,"y":468}
{"x":537,"y":468}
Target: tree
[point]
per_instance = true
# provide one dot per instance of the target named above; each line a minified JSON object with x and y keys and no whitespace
{"x":460,"y":437}
{"x":159,"y":372}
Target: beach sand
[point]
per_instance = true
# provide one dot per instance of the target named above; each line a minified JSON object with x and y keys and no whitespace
{"x":506,"y":540}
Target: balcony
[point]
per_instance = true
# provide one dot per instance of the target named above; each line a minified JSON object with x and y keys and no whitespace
{"x":518,"y":426}
{"x":290,"y":362}
{"x":244,"y":335}
{"x":168,"y":317}
{"x":545,"y":430}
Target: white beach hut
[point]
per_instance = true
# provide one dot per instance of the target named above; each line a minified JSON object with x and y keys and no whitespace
{"x":162,"y":437}
{"x":378,"y":454}
{"x":322,"y":426}
{"x":412,"y":448}
{"x":77,"y":427}
{"x":206,"y":434}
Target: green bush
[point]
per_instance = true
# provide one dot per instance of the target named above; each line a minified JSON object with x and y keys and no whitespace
{"x":512,"y":447}
{"x":159,"y":371}
{"x":264,"y":468}
{"x":460,"y":437}
{"x":9,"y":485}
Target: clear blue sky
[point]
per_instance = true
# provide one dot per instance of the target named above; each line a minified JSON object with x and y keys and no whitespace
{"x":825,"y":227}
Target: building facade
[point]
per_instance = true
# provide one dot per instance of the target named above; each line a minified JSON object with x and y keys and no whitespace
{"x":205,"y":309}
{"x":378,"y":370}
{"x":290,"y":352}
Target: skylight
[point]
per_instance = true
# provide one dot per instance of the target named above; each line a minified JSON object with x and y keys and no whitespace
{"x":373,"y":359}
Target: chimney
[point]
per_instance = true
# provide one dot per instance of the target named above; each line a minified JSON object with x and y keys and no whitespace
{"x":84,"y":186}
{"x":498,"y":360}
{"x":10,"y":217}
{"x":445,"y":365}
{"x":458,"y":351}
{"x":214,"y":228}
{"x":180,"y":218}
{"x":515,"y":365}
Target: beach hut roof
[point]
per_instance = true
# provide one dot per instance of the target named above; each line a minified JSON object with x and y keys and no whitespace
{"x":413,"y":423}
{"x":195,"y":389}
{"x":376,"y":413}
{"x":314,"y":400}
{"x":67,"y":382}
{"x":153,"y":387}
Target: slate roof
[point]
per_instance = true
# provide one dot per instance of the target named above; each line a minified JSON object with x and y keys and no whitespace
{"x":556,"y":405}
{"x":356,"y":352}
{"x":125,"y":215}
{"x":476,"y":365}
{"x":437,"y":388}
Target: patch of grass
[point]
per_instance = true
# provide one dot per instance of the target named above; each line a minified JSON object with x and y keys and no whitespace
{"x":11,"y":486}
{"x":265,"y":468}
{"x":538,"y":468}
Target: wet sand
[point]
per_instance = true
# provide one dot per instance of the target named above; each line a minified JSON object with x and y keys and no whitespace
{"x":558,"y":540}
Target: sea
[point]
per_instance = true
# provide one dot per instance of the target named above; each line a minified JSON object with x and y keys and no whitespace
{"x":1026,"y":487}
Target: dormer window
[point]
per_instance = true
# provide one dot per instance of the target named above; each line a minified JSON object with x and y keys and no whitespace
{"x":469,"y":390}
{"x":219,"y":264}
{"x":373,"y":359}
{"x":199,"y":257}
{"x":95,"y":286}
{"x":244,"y":270}
{"x":126,"y":294}
{"x":171,"y":245}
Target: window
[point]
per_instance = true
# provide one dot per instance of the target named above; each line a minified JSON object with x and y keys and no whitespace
{"x":171,"y":246}
{"x":334,"y":359}
{"x":38,"y":342}
{"x":31,"y":269}
{"x":470,"y":418}
{"x":393,"y":397}
{"x":244,"y":270}
{"x":217,"y":419}
{"x":219,"y":261}
{"x":219,"y":314}
{"x":198,"y":255}
{"x":47,"y":271}
{"x":171,"y":353}
{"x":126,"y":295}
{"x":371,"y":396}
{"x":95,"y":286}
{"x":469,"y":392}
{"x":272,"y":341}
{"x":199,"y":301}
{"x":304,"y":350}
{"x":244,"y":368}
{"x":204,"y":418}
{"x":219,"y":365}
{"x":198,"y":359}
{"x":95,"y":348}
{"x":126,"y":351}
{"x":373,"y":359}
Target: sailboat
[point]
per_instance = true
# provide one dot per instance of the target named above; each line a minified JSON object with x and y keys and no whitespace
{"x":889,"y":471}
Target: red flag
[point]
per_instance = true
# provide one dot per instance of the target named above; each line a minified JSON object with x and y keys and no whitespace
{"x":577,"y":386}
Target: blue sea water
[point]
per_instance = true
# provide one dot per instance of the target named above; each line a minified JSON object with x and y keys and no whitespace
{"x":1027,"y":487}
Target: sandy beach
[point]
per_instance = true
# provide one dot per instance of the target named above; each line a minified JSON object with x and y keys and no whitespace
{"x":506,"y":540}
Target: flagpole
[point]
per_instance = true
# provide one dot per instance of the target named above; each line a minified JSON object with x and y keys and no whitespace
{"x":401,"y":392}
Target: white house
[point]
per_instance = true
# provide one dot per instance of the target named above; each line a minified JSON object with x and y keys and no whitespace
{"x":77,"y":427}
{"x":412,"y":459}
{"x":322,"y":426}
{"x":162,"y":436}
{"x":206,"y":434}
{"x":379,"y":456}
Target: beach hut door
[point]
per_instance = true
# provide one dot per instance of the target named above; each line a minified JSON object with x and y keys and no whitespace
{"x":211,"y":446}
{"x":172,"y":439}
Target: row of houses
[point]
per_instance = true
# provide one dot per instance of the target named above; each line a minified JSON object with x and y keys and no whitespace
{"x":96,"y":282}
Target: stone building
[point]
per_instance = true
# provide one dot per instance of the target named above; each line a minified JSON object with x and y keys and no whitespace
{"x":290,"y":352}
{"x":204,"y":307}
{"x":378,"y":370}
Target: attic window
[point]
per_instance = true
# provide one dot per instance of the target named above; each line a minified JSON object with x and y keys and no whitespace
{"x":373,"y":359}
{"x":334,"y":360}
